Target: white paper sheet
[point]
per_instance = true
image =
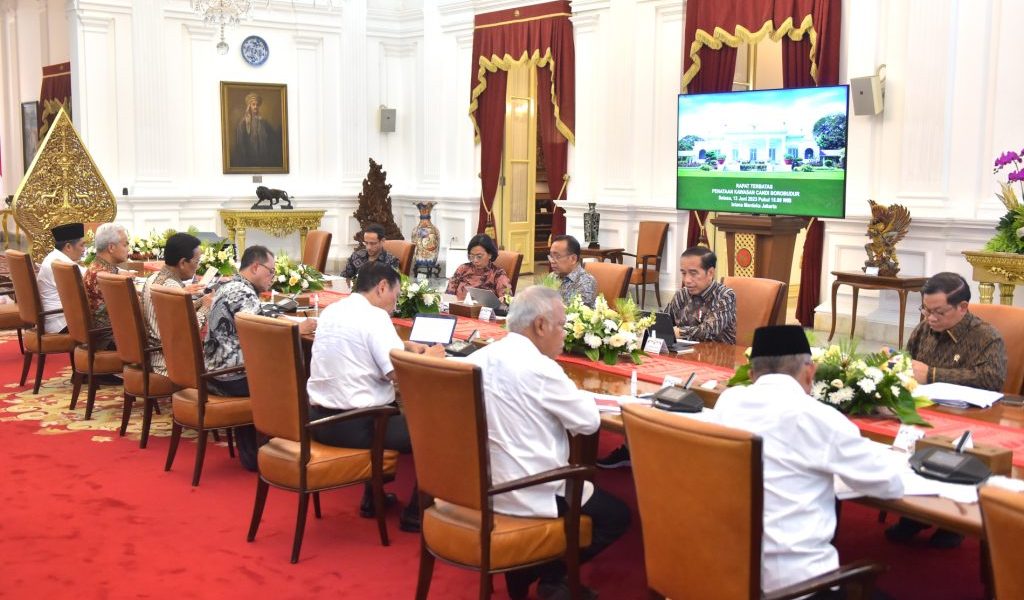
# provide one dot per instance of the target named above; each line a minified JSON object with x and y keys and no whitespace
{"x":959,"y":396}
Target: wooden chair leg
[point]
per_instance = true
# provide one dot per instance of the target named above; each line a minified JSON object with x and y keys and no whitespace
{"x":25,"y":366}
{"x":426,"y":571}
{"x":173,"y":448}
{"x":378,"y":507}
{"x":300,"y":525}
{"x":485,"y":586}
{"x":257,"y":510}
{"x":21,"y":346}
{"x":126,"y":413}
{"x":657,"y":293}
{"x":39,"y":373}
{"x":316,"y":505}
{"x":76,"y":388}
{"x":216,"y":435}
{"x":147,"y":420}
{"x":200,"y":455}
{"x":231,"y":441}
{"x":91,"y":396}
{"x":156,"y":408}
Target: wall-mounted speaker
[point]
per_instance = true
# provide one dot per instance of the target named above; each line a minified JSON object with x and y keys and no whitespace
{"x":387,"y":119}
{"x":867,"y":94}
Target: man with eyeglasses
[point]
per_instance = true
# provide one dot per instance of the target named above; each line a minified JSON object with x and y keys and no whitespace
{"x":951,"y":345}
{"x":567,"y":265}
{"x":221,"y":349}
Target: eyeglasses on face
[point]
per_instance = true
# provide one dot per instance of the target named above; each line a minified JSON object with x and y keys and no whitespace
{"x":478,"y":256}
{"x":937,"y":312}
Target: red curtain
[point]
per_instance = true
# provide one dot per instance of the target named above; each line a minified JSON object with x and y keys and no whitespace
{"x":796,"y":72}
{"x":714,"y":27}
{"x":541,"y":35}
{"x":54,"y":93}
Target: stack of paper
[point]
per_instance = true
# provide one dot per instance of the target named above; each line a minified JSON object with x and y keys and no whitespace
{"x":957,"y":396}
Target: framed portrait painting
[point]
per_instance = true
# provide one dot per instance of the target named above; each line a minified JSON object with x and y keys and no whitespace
{"x":254,"y":127}
{"x":29,"y":132}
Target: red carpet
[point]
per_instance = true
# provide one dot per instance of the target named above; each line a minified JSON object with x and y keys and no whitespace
{"x":87,"y":519}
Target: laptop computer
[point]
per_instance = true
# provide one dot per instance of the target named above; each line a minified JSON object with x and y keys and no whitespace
{"x":664,"y":328}
{"x":439,"y":329}
{"x":483,"y":297}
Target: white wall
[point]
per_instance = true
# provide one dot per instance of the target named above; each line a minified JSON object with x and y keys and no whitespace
{"x":951,"y":106}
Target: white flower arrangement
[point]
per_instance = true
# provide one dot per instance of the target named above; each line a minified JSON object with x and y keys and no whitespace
{"x":602,"y":333}
{"x":294,"y":278}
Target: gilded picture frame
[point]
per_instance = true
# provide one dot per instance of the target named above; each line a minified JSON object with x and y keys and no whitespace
{"x":254,"y":127}
{"x":29,"y":132}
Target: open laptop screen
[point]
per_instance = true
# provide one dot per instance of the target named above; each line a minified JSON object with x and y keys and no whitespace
{"x":433,"y":329}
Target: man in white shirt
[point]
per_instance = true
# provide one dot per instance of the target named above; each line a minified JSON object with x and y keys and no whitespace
{"x":531,"y":403}
{"x":351,"y":368}
{"x":805,"y":443}
{"x":69,"y":246}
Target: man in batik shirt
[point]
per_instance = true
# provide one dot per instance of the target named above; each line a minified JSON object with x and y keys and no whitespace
{"x":373,"y":250}
{"x":704,"y":310}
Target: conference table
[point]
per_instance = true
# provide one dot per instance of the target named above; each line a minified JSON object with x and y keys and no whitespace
{"x":964,"y":518}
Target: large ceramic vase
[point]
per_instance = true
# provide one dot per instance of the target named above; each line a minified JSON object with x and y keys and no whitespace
{"x":591,"y":225}
{"x":426,"y":237}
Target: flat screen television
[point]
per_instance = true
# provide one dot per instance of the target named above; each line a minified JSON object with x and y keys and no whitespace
{"x":772,"y":152}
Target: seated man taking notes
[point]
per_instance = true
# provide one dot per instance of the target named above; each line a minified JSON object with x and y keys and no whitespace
{"x":805,"y":443}
{"x":951,"y":345}
{"x":531,"y":403}
{"x":351,"y":368}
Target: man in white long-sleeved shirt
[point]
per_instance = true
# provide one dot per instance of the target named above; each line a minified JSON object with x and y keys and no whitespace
{"x":69,"y":246}
{"x":805,"y":443}
{"x":531,"y":403}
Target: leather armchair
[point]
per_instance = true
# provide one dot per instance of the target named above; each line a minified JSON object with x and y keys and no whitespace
{"x":37,"y":342}
{"x":512,"y":263}
{"x":402,"y":250}
{"x":87,"y":361}
{"x":759,"y":302}
{"x":444,"y":409}
{"x":292,"y":460}
{"x":713,"y":501}
{"x":650,"y":245}
{"x":1003,"y":514}
{"x":130,"y":336}
{"x":612,"y":280}
{"x":193,"y":406}
{"x":1009,"y":322}
{"x":318,"y":245}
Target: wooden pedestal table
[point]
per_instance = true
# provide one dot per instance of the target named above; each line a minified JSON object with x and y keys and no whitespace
{"x":859,"y":281}
{"x":278,"y":223}
{"x":602,"y":254}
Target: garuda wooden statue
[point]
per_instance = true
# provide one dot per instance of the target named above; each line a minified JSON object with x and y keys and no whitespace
{"x":375,"y":204}
{"x":889,"y":225}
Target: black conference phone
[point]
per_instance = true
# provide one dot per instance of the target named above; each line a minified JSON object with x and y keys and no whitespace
{"x":677,"y":399}
{"x":949,"y":466}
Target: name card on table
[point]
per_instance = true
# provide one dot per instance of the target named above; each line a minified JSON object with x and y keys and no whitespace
{"x":655,"y":345}
{"x":906,"y":438}
{"x":486,"y":313}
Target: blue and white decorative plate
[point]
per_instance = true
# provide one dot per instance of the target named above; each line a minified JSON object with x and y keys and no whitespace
{"x":255,"y":50}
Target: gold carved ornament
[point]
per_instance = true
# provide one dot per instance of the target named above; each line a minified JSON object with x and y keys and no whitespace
{"x":889,"y":225}
{"x":63,"y":185}
{"x":278,"y":223}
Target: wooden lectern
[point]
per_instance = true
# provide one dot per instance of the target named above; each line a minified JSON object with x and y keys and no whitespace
{"x":760,"y":245}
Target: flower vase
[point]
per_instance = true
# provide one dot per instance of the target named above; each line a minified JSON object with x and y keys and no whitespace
{"x":426,"y":237}
{"x":591,"y":225}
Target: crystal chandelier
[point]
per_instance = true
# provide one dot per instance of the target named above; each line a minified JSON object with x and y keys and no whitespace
{"x":222,"y":13}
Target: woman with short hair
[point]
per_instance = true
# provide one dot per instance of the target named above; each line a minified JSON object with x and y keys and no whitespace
{"x":480,"y":271}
